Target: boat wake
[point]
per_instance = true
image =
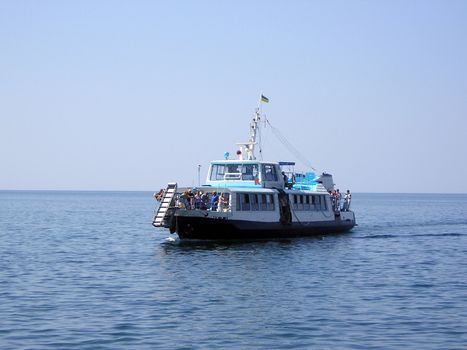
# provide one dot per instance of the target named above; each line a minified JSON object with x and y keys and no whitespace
{"x":448,"y":234}
{"x":171,"y":240}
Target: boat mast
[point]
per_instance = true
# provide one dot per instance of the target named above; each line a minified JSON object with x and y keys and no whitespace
{"x":247,"y":149}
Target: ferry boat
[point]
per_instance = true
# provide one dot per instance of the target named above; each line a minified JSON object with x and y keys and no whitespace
{"x":246,"y":198}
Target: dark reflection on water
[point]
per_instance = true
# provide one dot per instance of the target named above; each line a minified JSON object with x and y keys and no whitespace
{"x":88,"y":271}
{"x":175,"y":243}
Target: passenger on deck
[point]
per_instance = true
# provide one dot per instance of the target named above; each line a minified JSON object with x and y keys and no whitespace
{"x":158,"y":196}
{"x":214,"y":201}
{"x":179,"y":203}
{"x":286,"y":180}
{"x":335,"y":200}
{"x":223,"y":202}
{"x":191,"y":199}
{"x":338,"y":197}
{"x":347,"y":200}
{"x":198,"y":199}
{"x":185,"y":200}
{"x":204,"y":201}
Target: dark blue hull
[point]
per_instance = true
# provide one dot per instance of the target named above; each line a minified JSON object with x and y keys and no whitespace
{"x":218,"y":229}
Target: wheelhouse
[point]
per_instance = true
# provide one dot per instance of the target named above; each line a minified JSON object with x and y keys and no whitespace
{"x":244,"y":173}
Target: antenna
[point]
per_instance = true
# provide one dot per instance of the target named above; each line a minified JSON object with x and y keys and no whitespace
{"x":247,"y":149}
{"x":199,"y":177}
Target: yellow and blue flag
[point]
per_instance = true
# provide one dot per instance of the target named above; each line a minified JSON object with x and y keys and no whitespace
{"x":264,"y":99}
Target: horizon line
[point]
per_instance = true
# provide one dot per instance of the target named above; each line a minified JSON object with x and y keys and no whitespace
{"x":87,"y":190}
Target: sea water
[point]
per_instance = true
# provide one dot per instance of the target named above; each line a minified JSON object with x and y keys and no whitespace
{"x":86,"y":270}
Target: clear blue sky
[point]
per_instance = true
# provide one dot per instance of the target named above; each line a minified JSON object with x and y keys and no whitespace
{"x":128,"y":95}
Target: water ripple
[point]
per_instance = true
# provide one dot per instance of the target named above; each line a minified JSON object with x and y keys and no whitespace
{"x":89,"y":272}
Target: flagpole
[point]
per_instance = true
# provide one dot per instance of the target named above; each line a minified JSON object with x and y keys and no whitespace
{"x":260,"y":103}
{"x":260,"y":111}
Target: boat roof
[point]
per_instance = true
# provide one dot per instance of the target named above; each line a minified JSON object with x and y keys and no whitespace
{"x":242,"y":161}
{"x":210,"y":189}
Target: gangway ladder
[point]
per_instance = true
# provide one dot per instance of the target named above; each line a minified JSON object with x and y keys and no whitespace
{"x":162,"y":212}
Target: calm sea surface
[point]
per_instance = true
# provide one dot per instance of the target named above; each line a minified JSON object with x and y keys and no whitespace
{"x":86,"y":270}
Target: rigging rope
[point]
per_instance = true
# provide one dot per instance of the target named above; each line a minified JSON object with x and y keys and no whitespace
{"x":260,"y":143}
{"x":289,"y":146}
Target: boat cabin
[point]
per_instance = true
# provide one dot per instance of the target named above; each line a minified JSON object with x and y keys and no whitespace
{"x":244,"y":173}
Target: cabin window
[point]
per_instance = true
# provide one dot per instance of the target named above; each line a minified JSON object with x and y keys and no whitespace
{"x":246,"y":202}
{"x":270,"y":201}
{"x":300,"y":202}
{"x":294,"y":201}
{"x":234,"y":168}
{"x":229,"y":172}
{"x":256,"y":202}
{"x":313,"y":203}
{"x":243,"y":202}
{"x":324,"y":204}
{"x":269,"y":172}
{"x":306,"y":205}
{"x":320,"y":203}
{"x":264,"y":203}
{"x":249,"y":172}
{"x":233,"y":172}
{"x":217,"y":172}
